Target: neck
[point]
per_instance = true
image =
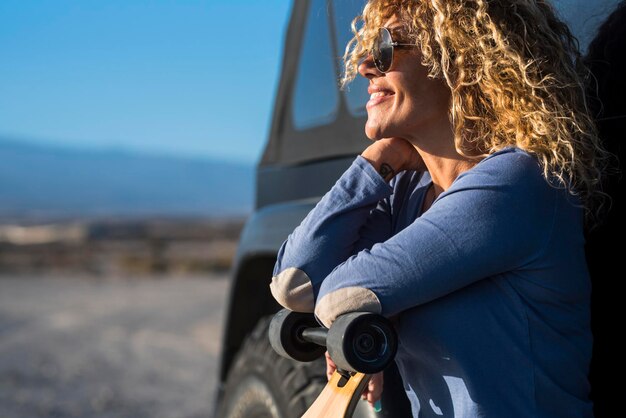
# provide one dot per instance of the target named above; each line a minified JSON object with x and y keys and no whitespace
{"x":444,"y":170}
{"x":436,"y":147}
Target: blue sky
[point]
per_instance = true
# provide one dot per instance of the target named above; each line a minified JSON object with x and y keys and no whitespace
{"x":187,"y":77}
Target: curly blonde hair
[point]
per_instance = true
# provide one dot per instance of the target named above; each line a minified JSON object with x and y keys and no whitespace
{"x":515,"y":76}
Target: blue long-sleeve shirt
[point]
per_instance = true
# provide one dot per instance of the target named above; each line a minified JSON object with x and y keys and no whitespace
{"x":489,"y":285}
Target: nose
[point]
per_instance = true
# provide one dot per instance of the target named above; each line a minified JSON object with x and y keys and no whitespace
{"x":367,"y":68}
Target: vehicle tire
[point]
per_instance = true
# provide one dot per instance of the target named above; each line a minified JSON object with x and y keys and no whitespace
{"x":262,"y":384}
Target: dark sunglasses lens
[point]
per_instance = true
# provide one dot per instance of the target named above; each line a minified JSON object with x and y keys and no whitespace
{"x":383,"y":50}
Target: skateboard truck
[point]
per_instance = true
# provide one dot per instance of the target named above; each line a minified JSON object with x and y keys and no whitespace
{"x":360,"y":344}
{"x":318,"y":335}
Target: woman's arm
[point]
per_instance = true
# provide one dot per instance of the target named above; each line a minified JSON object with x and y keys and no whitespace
{"x":495,"y":217}
{"x":351,"y":217}
{"x":329,"y":234}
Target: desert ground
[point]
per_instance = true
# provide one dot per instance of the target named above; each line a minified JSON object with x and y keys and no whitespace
{"x":121,"y":346}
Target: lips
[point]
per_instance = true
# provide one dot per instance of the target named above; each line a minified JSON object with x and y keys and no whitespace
{"x":378,"y":94}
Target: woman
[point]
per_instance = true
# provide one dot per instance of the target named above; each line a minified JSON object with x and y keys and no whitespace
{"x":464,"y":219}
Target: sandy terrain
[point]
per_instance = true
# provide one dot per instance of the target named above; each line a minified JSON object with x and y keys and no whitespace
{"x":85,"y":347}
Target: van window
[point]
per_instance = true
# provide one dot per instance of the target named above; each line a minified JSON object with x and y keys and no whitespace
{"x":355,"y":93}
{"x":316,"y":94}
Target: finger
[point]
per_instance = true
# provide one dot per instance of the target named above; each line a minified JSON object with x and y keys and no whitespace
{"x":365,"y":392}
{"x":330,"y":367}
{"x":375,"y":388}
{"x":329,"y":360}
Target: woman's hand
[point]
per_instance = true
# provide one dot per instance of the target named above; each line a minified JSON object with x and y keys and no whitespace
{"x":374,"y":389}
{"x":389,"y":156}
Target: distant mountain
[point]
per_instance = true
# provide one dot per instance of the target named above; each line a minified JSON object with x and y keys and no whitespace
{"x":47,"y":182}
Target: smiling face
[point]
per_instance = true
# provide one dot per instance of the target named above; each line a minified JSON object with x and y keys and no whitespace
{"x":403,"y":101}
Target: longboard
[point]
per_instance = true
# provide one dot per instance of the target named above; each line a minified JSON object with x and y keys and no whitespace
{"x":360,"y":344}
{"x":339,"y":397}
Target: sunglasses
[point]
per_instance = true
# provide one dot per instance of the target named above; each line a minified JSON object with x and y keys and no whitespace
{"x":382,"y":50}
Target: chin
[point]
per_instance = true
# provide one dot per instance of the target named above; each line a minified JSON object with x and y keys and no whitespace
{"x":373,"y":132}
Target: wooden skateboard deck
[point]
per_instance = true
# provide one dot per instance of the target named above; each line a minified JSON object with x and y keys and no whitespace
{"x":338,"y":400}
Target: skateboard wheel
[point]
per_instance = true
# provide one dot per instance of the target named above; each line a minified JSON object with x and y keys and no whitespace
{"x":362,"y":342}
{"x":285,"y":335}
